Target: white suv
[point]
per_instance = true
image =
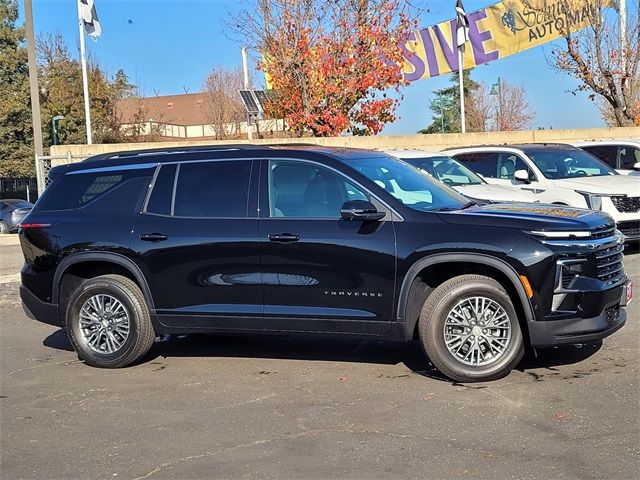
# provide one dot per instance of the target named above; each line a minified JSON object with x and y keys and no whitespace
{"x":623,"y":155}
{"x":453,"y":173}
{"x":560,"y":174}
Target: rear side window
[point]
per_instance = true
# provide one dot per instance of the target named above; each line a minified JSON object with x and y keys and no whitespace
{"x":78,"y":189}
{"x":218,"y":189}
{"x":162,"y":194}
{"x":607,"y":153}
{"x":484,"y":163}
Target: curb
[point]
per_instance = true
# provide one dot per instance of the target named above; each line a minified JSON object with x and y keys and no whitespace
{"x":9,"y":239}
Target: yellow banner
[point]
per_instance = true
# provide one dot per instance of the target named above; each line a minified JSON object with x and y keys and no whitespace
{"x":495,"y":32}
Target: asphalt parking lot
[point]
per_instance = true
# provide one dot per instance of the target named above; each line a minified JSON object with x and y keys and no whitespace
{"x":288,"y":407}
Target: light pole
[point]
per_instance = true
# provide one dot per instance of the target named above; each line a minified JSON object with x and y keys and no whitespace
{"x":496,"y":89}
{"x":54,"y":130}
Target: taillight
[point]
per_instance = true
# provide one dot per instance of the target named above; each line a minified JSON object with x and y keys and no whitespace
{"x":34,"y":225}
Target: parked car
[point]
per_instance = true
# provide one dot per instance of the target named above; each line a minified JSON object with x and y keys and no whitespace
{"x":126,"y":246}
{"x":459,"y":177}
{"x":560,"y":174}
{"x":623,"y":155}
{"x":12,"y":211}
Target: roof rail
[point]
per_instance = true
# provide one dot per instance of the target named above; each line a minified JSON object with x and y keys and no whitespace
{"x":173,"y":150}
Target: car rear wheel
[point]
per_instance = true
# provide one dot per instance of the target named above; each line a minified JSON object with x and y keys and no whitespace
{"x":469,"y":329}
{"x":108,"y":322}
{"x":4,"y":228}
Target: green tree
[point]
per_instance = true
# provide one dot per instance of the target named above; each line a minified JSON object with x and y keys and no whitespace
{"x":446,"y":106}
{"x":16,"y":135}
{"x":62,"y":94}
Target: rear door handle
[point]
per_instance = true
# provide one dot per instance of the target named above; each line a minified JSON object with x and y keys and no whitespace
{"x":284,"y":237}
{"x":153,"y":237}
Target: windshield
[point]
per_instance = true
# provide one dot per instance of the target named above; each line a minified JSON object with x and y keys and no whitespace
{"x":411,"y":186}
{"x":560,"y":163}
{"x":446,"y":170}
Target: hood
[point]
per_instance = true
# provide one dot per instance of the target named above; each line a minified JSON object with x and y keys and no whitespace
{"x":495,"y":193}
{"x":608,"y":184}
{"x":528,"y":216}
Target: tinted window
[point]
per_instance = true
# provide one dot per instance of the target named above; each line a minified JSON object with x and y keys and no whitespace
{"x":484,"y":163}
{"x":629,"y":156}
{"x":77,"y":189}
{"x":162,"y":195}
{"x":307,"y":191}
{"x":213,"y":189}
{"x":606,"y":153}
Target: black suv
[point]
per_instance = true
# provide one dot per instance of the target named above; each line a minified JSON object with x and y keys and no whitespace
{"x":127,"y":246}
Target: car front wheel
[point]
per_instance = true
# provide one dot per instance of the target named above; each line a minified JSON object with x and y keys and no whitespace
{"x":469,"y":329}
{"x":108,"y":322}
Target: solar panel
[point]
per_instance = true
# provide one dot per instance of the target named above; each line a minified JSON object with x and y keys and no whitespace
{"x":262,"y":98}
{"x":250,"y":102}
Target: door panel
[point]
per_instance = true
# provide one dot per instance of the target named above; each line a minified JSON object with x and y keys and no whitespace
{"x":203,"y":271}
{"x":319,"y":272}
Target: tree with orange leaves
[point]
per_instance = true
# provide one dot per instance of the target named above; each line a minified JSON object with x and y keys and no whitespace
{"x":331,"y":63}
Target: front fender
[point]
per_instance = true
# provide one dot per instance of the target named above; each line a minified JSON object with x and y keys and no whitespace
{"x":409,"y":324}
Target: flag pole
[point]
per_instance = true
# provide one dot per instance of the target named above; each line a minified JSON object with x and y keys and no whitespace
{"x":463,"y":121}
{"x":85,"y":81}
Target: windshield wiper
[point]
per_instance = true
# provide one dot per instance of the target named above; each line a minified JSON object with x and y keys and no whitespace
{"x":455,"y":209}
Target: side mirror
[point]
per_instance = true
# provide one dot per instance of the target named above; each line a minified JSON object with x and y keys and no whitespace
{"x":636,"y":167}
{"x":361,"y":210}
{"x":522,"y":176}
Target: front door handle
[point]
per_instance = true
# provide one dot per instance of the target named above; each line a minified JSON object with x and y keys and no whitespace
{"x":284,"y":237}
{"x":153,"y":237}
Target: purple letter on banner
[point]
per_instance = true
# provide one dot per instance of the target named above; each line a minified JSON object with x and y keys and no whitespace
{"x":450,"y":50}
{"x":412,"y":58}
{"x":477,"y":39}
{"x":430,"y":52}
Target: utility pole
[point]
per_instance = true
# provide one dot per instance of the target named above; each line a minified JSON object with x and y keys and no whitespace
{"x":85,"y":80}
{"x":496,"y":89}
{"x":500,"y":111}
{"x":35,"y":92}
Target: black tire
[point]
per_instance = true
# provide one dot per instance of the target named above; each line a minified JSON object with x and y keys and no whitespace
{"x":431,"y":328}
{"x":4,"y":228}
{"x":140,"y":336}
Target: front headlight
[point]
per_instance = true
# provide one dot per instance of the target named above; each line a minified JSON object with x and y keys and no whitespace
{"x":594,"y":201}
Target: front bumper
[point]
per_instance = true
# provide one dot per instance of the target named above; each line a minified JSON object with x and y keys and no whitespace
{"x":36,"y":309}
{"x":611,"y":318}
{"x":579,"y":330}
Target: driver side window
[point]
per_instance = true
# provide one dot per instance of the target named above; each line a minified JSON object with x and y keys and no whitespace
{"x":304,"y":190}
{"x":509,"y":164}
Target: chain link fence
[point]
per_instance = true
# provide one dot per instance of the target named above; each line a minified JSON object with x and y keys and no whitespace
{"x":46,"y":162}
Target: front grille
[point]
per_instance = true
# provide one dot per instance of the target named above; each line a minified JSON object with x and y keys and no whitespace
{"x":630,"y":229}
{"x":603,"y":231}
{"x":626,"y":204}
{"x":609,"y":263}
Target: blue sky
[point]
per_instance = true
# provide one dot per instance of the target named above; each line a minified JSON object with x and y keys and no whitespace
{"x":168,"y":46}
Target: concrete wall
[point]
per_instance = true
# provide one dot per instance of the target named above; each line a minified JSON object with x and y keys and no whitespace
{"x":434,"y":142}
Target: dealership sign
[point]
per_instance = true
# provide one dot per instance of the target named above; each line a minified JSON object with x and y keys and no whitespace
{"x":495,"y":32}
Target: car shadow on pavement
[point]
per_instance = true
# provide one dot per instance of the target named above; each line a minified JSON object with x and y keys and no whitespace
{"x":58,"y":340}
{"x":320,"y":348}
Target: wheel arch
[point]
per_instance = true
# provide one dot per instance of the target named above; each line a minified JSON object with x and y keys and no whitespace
{"x":112,"y":258}
{"x":409,"y":284}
